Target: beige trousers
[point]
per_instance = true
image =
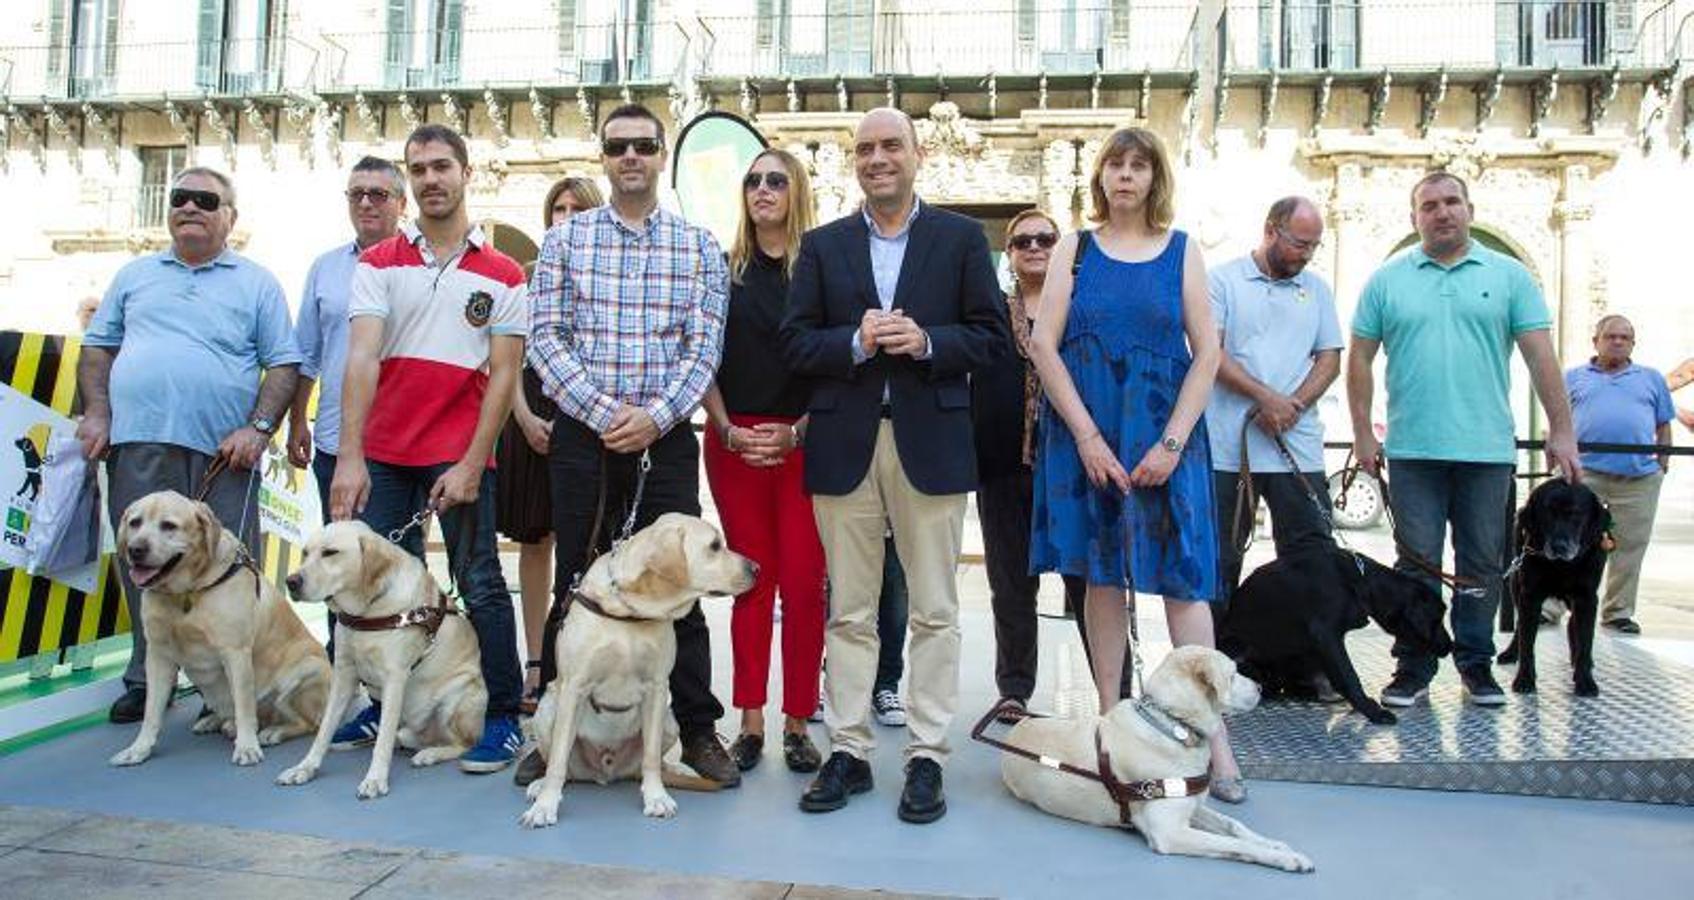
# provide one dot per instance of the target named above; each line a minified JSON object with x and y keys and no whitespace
{"x":1633,"y":502}
{"x":927,"y":535}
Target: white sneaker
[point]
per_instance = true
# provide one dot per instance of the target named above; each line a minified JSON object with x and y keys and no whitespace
{"x":889,"y":710}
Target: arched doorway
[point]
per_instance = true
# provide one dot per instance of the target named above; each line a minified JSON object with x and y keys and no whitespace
{"x":511,"y":240}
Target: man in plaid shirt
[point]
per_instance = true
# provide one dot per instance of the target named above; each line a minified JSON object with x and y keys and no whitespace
{"x":626,"y":330}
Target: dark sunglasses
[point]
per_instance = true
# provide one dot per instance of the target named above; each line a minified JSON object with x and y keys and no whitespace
{"x":209,"y":201}
{"x":616,"y":147}
{"x":377,"y":196}
{"x":776,"y":181}
{"x":1043,"y":239}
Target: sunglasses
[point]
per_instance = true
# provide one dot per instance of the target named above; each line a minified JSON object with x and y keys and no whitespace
{"x":776,"y":181}
{"x":377,"y":196}
{"x":1298,"y":245}
{"x":616,"y":147}
{"x":208,"y":201}
{"x":1043,"y":239}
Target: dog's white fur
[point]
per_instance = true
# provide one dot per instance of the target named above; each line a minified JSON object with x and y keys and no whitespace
{"x":262,"y":675}
{"x":432,"y":694}
{"x":1194,"y":684}
{"x":608,"y":711}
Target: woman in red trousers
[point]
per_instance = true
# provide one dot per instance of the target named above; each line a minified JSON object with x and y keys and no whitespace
{"x":754,"y":466}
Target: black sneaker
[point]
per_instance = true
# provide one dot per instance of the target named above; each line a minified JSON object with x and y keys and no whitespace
{"x":1405,"y":690}
{"x":1481,"y":686}
{"x":531,"y":767}
{"x":922,"y":801}
{"x":841,"y":776}
{"x":1623,"y":626}
{"x":128,"y":709}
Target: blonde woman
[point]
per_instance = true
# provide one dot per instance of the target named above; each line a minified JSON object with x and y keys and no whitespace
{"x":523,"y":508}
{"x":754,"y":466}
{"x":1127,"y":354}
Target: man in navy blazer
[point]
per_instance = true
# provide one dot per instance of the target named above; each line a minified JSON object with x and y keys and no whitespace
{"x":888,"y":310}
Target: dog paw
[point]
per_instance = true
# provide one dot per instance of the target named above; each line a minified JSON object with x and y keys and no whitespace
{"x":372,"y":788}
{"x":541,"y":813}
{"x":207,"y":725}
{"x":430,"y":756}
{"x":1521,"y":685}
{"x":533,"y":790}
{"x":270,"y":737}
{"x":1297,"y":862}
{"x":299,"y":774}
{"x":247,"y":755}
{"x":133,"y":755}
{"x":1588,"y":688}
{"x":659,"y":805}
{"x":227,"y":726}
{"x":1380,"y":716}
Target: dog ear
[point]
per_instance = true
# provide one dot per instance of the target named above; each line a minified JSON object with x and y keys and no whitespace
{"x":374,"y":563}
{"x":211,"y":530}
{"x":1219,"y":673}
{"x":655,"y":563}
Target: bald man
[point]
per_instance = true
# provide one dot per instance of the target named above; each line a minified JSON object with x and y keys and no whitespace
{"x":1282,"y":350}
{"x":888,"y":310}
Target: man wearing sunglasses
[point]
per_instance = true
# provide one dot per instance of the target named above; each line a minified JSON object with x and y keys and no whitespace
{"x":376,"y":199}
{"x":626,"y":334}
{"x":170,"y":379}
{"x":1282,"y":349}
{"x":434,"y":343}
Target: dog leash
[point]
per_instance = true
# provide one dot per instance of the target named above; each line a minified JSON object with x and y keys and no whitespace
{"x":1458,"y":583}
{"x":243,"y":556}
{"x":591,"y":552}
{"x":1247,"y":498}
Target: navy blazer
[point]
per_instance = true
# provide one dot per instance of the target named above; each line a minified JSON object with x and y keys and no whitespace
{"x":947,"y":286}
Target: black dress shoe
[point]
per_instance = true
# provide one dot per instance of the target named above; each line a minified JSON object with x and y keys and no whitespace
{"x":128,"y":708}
{"x":531,"y":767}
{"x":922,"y":801}
{"x":842,"y":776}
{"x":1624,"y":626}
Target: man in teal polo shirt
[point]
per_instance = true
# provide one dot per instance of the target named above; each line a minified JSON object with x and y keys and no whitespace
{"x":1447,"y":313}
{"x":1616,"y":401}
{"x":170,"y":379}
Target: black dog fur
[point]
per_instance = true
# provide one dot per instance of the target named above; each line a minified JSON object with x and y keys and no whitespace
{"x":1290,"y":618}
{"x":1561,"y":541}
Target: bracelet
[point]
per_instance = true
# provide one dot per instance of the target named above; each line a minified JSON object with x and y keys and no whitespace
{"x":1088,"y":437}
{"x":728,"y":438}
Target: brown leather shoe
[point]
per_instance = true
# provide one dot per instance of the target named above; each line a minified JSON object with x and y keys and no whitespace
{"x":800,"y":753}
{"x":704,"y":753}
{"x":746,"y":751}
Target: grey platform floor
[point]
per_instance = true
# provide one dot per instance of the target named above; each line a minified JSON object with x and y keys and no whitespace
{"x":1365,"y":841}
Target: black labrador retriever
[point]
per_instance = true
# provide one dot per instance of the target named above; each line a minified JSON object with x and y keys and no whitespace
{"x":1560,"y":546}
{"x":1289,"y":620}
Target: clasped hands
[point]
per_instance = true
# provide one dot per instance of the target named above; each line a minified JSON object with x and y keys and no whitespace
{"x":892,"y":331}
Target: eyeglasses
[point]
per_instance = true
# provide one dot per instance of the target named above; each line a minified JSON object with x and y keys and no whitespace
{"x":1043,"y":239}
{"x":208,"y":201}
{"x":776,"y":181}
{"x":1296,"y":243}
{"x":377,"y":196}
{"x":645,"y":146}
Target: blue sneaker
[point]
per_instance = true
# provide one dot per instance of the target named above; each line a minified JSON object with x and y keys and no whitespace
{"x":500,"y":742}
{"x":360,"y":732}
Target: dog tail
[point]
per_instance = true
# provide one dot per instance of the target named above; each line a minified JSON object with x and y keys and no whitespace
{"x":684,"y":780}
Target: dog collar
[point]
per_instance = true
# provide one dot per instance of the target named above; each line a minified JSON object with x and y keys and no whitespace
{"x":1168,"y":725}
{"x":429,"y":617}
{"x":594,"y":607}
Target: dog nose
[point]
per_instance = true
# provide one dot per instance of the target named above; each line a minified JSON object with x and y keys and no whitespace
{"x":294,"y":581}
{"x":752,"y":569}
{"x":137,"y":552}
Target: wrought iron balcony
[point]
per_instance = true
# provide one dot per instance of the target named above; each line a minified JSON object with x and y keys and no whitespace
{"x":136,"y":70}
{"x":1305,"y":35}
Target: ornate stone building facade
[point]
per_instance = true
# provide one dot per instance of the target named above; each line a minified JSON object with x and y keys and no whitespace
{"x":1573,"y":120}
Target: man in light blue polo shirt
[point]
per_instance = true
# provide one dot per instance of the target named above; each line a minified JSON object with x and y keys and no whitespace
{"x":170,"y":378}
{"x":1616,"y":401}
{"x":1447,"y":313}
{"x":1282,"y":350}
{"x":376,"y":199}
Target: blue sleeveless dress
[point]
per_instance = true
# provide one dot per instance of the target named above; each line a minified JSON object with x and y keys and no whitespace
{"x":1127,"y":353}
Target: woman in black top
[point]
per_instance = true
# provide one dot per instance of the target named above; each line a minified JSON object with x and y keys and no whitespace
{"x":756,"y":413}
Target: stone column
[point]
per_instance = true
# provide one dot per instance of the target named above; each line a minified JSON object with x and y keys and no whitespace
{"x":1349,"y":239}
{"x":1059,"y":182}
{"x":1577,"y":307}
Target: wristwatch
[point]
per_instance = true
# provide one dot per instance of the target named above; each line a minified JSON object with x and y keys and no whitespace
{"x":1171,"y":443}
{"x":262,"y":425}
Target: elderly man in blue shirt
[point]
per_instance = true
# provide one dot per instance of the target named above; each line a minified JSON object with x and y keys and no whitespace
{"x":376,"y":199}
{"x":1616,"y":401}
{"x":170,"y":379}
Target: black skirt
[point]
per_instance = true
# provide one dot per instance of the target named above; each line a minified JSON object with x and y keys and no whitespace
{"x":523,"y":500}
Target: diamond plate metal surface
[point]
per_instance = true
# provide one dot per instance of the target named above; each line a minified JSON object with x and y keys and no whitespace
{"x":1633,"y":742}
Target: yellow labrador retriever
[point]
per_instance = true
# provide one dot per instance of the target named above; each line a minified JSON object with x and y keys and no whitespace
{"x":397,"y":634}
{"x":1163,"y":741}
{"x":607,"y":714}
{"x":262,"y":675}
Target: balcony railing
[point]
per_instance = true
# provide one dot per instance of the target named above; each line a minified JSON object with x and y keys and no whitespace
{"x":153,"y":69}
{"x":1460,"y":34}
{"x":1101,"y":36}
{"x":152,"y":206}
{"x":474,"y":58}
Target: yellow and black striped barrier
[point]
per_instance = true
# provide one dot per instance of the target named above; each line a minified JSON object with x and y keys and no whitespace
{"x":40,"y":615}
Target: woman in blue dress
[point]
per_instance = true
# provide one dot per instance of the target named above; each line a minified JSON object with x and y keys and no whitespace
{"x":1127,"y":352}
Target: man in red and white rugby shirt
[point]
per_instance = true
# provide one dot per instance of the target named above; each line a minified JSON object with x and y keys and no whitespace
{"x":434,"y":347}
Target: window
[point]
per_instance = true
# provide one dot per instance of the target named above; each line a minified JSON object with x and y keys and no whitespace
{"x":159,"y":168}
{"x":1317,"y":34}
{"x":1545,"y":33}
{"x":82,"y":47}
{"x":241,"y":46}
{"x":424,"y":37}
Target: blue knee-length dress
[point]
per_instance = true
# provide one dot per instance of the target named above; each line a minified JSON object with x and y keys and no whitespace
{"x":1126,"y":351}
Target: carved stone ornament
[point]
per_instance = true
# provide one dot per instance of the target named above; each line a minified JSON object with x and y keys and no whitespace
{"x":103,"y":130}
{"x":73,"y":147}
{"x":301,"y":114}
{"x":1488,"y":98}
{"x":409,"y":112}
{"x":222,"y":127}
{"x":1543,"y":94}
{"x":497,"y":118}
{"x":1463,"y":155}
{"x":541,"y":110}
{"x":181,"y":126}
{"x":947,"y":132}
{"x":267,"y":138}
{"x":456,"y":116}
{"x":1379,"y":101}
{"x":749,"y":100}
{"x":1320,"y":102}
{"x":1429,"y":101}
{"x":1267,"y":106}
{"x":1600,"y":96}
{"x":368,"y":120}
{"x":6,"y":139}
{"x":1059,"y":179}
{"x":589,"y":108}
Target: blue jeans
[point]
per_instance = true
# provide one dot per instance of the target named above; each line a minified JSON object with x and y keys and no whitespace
{"x":398,"y":492}
{"x":891,"y":621}
{"x":1429,"y":495}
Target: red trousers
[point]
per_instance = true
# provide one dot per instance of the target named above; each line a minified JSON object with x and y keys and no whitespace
{"x":767,"y":517}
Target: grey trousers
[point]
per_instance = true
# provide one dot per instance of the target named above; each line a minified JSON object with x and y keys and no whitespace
{"x":136,"y":470}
